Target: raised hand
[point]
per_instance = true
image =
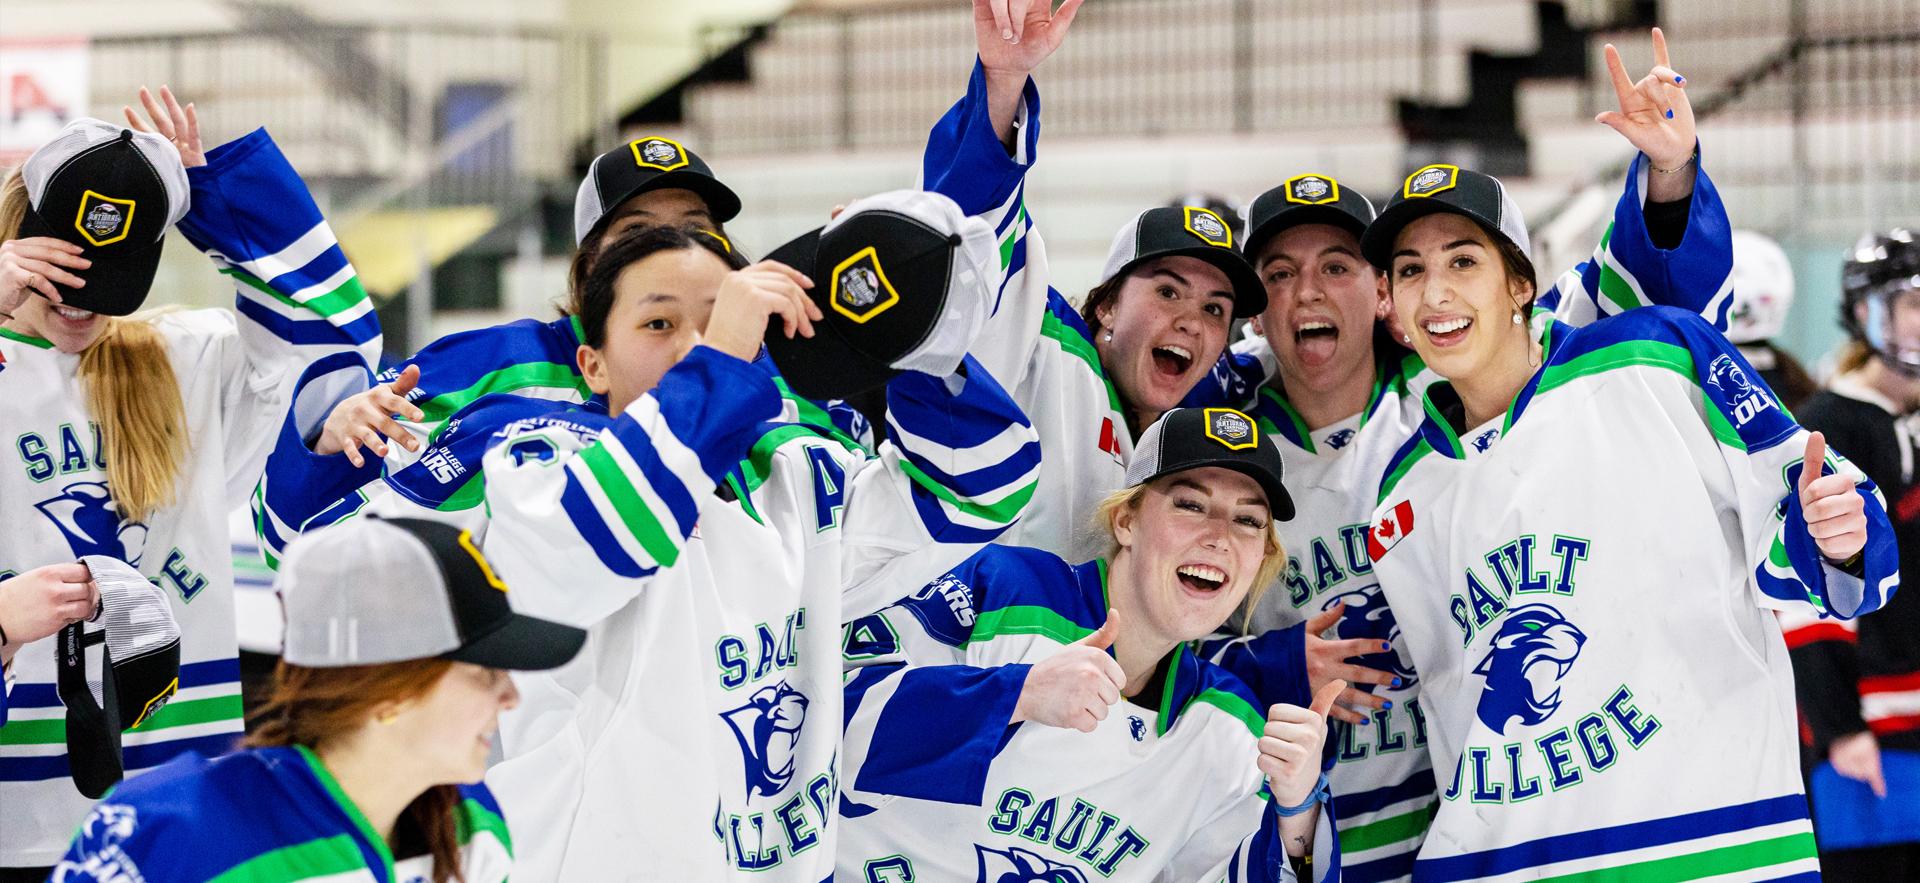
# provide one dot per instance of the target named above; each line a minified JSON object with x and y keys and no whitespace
{"x":1327,"y":662}
{"x":368,"y":419}
{"x":181,"y":125}
{"x":1654,"y":113}
{"x":749,"y":298}
{"x":1290,"y":746}
{"x":1074,"y":687}
{"x":1836,"y":515}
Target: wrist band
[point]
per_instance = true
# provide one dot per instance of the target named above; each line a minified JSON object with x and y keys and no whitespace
{"x":1678,"y":168}
{"x":1313,"y":799}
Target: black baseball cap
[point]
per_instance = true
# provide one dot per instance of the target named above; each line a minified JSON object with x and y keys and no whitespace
{"x":115,"y":193}
{"x":377,"y":590}
{"x":1190,"y":438}
{"x":903,"y":281}
{"x":640,"y":165}
{"x":1193,"y":231}
{"x":139,"y":670}
{"x":1445,"y":188}
{"x":1305,"y":199}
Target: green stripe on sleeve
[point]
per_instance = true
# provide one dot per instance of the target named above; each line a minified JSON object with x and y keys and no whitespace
{"x":1613,"y":286}
{"x":1003,"y":512}
{"x":1026,"y":620}
{"x":551,"y":375}
{"x":630,"y":506}
{"x":345,"y":296}
{"x":474,"y":817}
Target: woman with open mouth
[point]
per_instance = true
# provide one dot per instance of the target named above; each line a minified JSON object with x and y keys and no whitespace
{"x":138,"y":433}
{"x":1095,"y":377}
{"x":1343,"y":396}
{"x":1078,"y":736}
{"x":1577,"y":543}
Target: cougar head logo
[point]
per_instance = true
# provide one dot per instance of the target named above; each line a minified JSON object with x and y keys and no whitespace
{"x":87,"y":516}
{"x":768,"y":729}
{"x":1532,"y":652}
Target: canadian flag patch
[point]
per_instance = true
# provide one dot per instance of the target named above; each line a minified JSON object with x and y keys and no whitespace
{"x":1390,"y":529}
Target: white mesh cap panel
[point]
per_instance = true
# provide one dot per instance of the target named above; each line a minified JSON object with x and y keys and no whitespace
{"x":364,"y":592}
{"x":1146,"y":454}
{"x":86,"y":132}
{"x":134,"y":612}
{"x":1512,"y":223}
{"x":587,"y":208}
{"x":1126,"y":244}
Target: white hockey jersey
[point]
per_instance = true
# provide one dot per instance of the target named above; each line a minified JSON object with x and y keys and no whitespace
{"x":707,"y":552}
{"x":937,"y":786}
{"x":1382,"y":782}
{"x":1035,"y":342}
{"x":298,"y":303}
{"x":1603,"y":691}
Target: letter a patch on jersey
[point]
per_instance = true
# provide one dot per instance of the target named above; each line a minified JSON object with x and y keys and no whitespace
{"x":1388,"y":531}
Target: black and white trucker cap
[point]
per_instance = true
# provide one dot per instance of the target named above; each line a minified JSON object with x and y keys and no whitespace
{"x":640,"y":165}
{"x":124,"y":682}
{"x":1192,"y":231}
{"x":1445,"y":188}
{"x":1190,"y":438}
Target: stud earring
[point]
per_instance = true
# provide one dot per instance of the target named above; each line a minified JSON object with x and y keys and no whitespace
{"x":1516,"y":317}
{"x":1107,"y":337}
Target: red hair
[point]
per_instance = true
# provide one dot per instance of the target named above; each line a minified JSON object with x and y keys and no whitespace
{"x":309,"y":706}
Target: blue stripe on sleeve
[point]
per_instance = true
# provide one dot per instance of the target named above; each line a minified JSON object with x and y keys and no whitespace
{"x":247,"y":171}
{"x":302,"y":332}
{"x":594,"y":531}
{"x":713,"y":403}
{"x":134,"y":757}
{"x":964,"y":159}
{"x":949,"y":762}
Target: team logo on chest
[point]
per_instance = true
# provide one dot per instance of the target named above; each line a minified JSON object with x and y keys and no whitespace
{"x":1340,"y":439}
{"x":1016,"y":865}
{"x":103,"y":220}
{"x":768,"y":730}
{"x":100,"y":855}
{"x":1532,"y":653}
{"x":89,"y":520}
{"x":1484,"y":441}
{"x":1368,"y":616}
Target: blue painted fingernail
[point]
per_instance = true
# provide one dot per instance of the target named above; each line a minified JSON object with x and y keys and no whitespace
{"x":1365,"y":721}
{"x":1396,"y":682}
{"x":1389,"y":704}
{"x":1384,"y":646}
{"x":1669,"y":113}
{"x":1679,"y":79}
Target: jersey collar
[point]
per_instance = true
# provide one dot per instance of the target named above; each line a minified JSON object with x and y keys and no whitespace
{"x":371,"y":840}
{"x":1438,"y":430}
{"x":27,"y":339}
{"x":1278,"y":416}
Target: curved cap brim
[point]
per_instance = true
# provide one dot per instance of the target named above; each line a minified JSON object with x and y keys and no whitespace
{"x":523,"y":643}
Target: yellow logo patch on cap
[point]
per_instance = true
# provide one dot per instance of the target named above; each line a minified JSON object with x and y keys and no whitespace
{"x":466,"y":542}
{"x":1209,"y":227}
{"x":1233,"y":430}
{"x":663,"y":154}
{"x":1436,"y":178}
{"x":103,"y":220}
{"x":860,"y":287}
{"x":1313,"y":189}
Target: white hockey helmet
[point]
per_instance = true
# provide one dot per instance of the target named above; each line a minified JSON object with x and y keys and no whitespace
{"x":1762,"y":288}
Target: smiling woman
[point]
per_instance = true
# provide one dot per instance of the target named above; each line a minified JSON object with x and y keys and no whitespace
{"x":1068,"y":693}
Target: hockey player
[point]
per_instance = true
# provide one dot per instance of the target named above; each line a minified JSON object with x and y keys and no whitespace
{"x":648,"y":182}
{"x":1023,"y":718}
{"x":1092,"y":378}
{"x":137,"y":434}
{"x":705,"y":543}
{"x":1762,"y":297}
{"x":1339,"y":405}
{"x":1859,"y":683}
{"x":1579,"y":638}
{"x":366,"y":762}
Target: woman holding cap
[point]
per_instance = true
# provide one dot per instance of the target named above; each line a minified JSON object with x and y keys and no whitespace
{"x":138,"y":434}
{"x":1343,"y":397}
{"x":34,"y":605}
{"x":648,"y":183}
{"x":368,"y":755}
{"x":1079,"y":736}
{"x":1580,"y":645}
{"x":706,"y":539}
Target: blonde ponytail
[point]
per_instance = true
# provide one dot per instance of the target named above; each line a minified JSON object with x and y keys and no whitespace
{"x":134,"y":395}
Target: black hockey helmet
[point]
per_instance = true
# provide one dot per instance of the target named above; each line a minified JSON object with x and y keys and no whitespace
{"x":1879,"y":268}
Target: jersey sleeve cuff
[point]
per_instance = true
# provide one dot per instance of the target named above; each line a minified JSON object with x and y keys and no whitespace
{"x":1826,"y":585}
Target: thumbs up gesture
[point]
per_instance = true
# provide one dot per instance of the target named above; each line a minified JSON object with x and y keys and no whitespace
{"x":1074,"y":687}
{"x":1836,"y":515}
{"x":1290,"y":748}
